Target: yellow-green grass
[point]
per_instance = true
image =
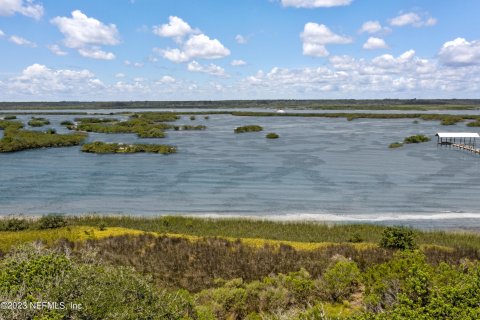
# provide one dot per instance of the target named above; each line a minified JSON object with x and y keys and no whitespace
{"x":82,"y":233}
{"x":9,"y":239}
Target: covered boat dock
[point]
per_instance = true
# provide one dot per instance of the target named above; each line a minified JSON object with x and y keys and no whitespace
{"x":462,"y":140}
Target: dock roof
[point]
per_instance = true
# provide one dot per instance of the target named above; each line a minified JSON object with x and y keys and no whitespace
{"x":458,"y":135}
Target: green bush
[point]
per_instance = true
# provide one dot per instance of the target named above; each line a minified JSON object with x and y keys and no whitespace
{"x":66,"y":123}
{"x":10,"y":117}
{"x":395,"y":145}
{"x":272,"y":135}
{"x":398,"y":238}
{"x":102,"y":147}
{"x":341,"y":280}
{"x":104,"y":292}
{"x":419,"y":138}
{"x":13,"y":224}
{"x":51,"y":131}
{"x":52,"y":221}
{"x":251,"y":128}
{"x":192,"y":118}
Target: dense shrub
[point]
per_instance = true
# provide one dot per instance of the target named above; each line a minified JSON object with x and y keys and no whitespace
{"x":15,"y":139}
{"x":10,"y":117}
{"x":251,"y":128}
{"x":102,"y":147}
{"x":272,"y":135}
{"x":341,"y":280}
{"x":105,"y":292}
{"x":419,"y":138}
{"x":398,"y":238}
{"x":66,"y":123}
{"x":52,"y":221}
{"x":13,"y":224}
{"x":395,"y":145}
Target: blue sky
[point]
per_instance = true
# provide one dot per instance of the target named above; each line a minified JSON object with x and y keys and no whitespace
{"x":238,"y":49}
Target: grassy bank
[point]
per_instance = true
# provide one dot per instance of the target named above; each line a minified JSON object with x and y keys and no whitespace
{"x":102,"y":147}
{"x":205,"y":269}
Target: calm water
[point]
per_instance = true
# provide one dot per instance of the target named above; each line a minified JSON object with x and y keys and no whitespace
{"x":321,"y":169}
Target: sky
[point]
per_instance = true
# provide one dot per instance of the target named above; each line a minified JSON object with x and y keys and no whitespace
{"x":85,"y":50}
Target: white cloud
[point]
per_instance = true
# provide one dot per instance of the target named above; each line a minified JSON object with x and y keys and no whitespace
{"x":133,"y":64}
{"x":413,"y":19}
{"x":460,"y":52}
{"x":95,"y":52}
{"x":240,"y":39}
{"x":211,"y":69}
{"x":87,"y":35}
{"x":22,"y":41}
{"x":55,"y":49}
{"x":197,"y":46}
{"x":27,"y":8}
{"x":166,"y":79}
{"x":40,"y":80}
{"x":2,"y":34}
{"x":120,"y":75}
{"x":176,"y":28}
{"x":373,"y":27}
{"x":237,"y":63}
{"x":315,"y":3}
{"x":315,"y":37}
{"x":374,"y":43}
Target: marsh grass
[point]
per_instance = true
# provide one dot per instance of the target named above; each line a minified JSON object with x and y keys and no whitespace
{"x":250,"y":128}
{"x":38,"y":122}
{"x":265,"y":229}
{"x":102,"y":147}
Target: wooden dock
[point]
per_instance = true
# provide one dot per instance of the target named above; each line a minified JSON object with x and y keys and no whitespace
{"x":466,"y":147}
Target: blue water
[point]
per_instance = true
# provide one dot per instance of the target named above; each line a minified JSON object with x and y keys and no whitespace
{"x":319,"y":169}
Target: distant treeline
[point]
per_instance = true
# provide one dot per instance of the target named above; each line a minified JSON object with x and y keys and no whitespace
{"x":381,"y":104}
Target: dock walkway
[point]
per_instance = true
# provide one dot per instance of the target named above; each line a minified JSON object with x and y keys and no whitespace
{"x":465,"y":147}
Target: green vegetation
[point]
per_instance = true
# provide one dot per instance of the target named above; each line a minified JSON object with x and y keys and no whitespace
{"x":118,"y":273}
{"x":66,"y":123}
{"x":95,"y":120}
{"x":30,"y":274}
{"x":38,"y":122}
{"x":9,"y":117}
{"x":419,"y":138}
{"x":102,"y":147}
{"x":192,"y":118}
{"x":206,"y":117}
{"x":395,"y":145}
{"x":272,"y":135}
{"x":250,"y":128}
{"x":345,"y":104}
{"x":16,"y":139}
{"x":474,"y":123}
{"x":398,"y":238}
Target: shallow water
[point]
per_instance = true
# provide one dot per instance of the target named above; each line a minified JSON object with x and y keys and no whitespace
{"x":319,"y":169}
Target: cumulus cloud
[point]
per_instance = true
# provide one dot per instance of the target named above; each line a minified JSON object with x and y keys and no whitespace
{"x":413,"y":19}
{"x":315,"y":3}
{"x":240,"y":39}
{"x":237,"y":63}
{"x":27,"y":8}
{"x":175,"y":28}
{"x":40,"y":80}
{"x":87,"y":35}
{"x":460,"y":52}
{"x":374,"y":26}
{"x":405,"y":75}
{"x":2,"y":34}
{"x":315,"y":37}
{"x":197,"y":46}
{"x":166,"y":79}
{"x":211,"y":69}
{"x":55,"y":49}
{"x":22,"y":41}
{"x":374,"y":43}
